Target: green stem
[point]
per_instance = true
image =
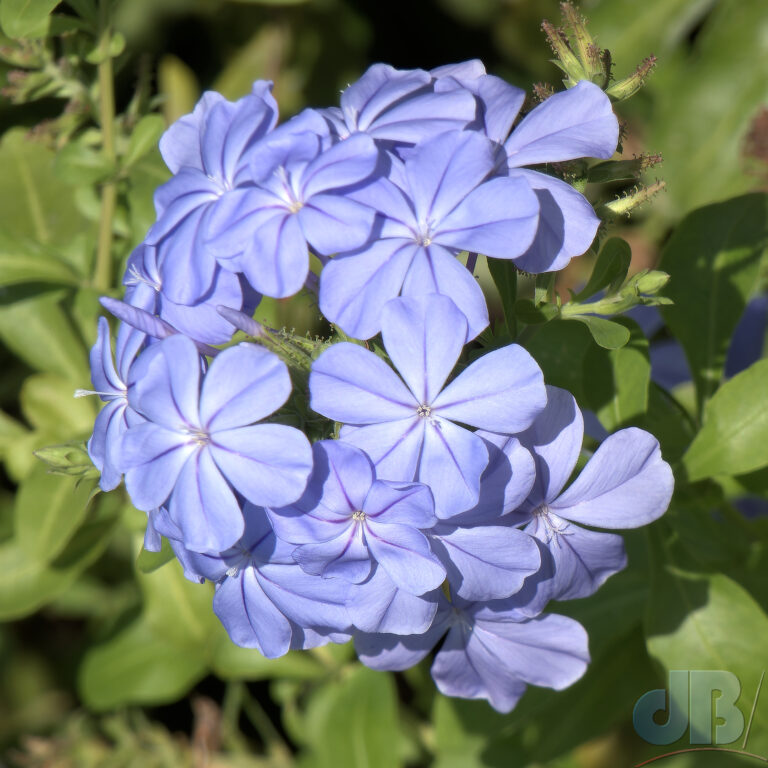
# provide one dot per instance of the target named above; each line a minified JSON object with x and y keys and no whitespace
{"x":274,"y":742}
{"x":102,"y":274}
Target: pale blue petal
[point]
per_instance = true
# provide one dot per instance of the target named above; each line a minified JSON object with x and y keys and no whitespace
{"x":436,"y":270}
{"x":152,"y":458}
{"x":414,"y":332}
{"x":250,"y":617}
{"x":354,"y":289}
{"x":352,"y":385}
{"x":204,"y":507}
{"x":404,"y":553}
{"x":487,"y":562}
{"x":347,"y":163}
{"x":405,"y":503}
{"x":567,"y":224}
{"x":582,"y":559}
{"x":335,"y":224}
{"x":452,"y":461}
{"x":377,"y":605}
{"x":278,"y":260}
{"x":499,"y":218}
{"x":442,"y":171}
{"x":268,"y":463}
{"x":578,"y":122}
{"x":345,"y":557}
{"x":394,"y":446}
{"x":625,"y":484}
{"x":554,"y":439}
{"x":164,"y":384}
{"x":502,"y":391}
{"x":398,"y":652}
{"x":244,"y":384}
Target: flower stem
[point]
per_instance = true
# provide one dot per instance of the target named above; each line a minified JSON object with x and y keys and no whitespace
{"x":102,"y":274}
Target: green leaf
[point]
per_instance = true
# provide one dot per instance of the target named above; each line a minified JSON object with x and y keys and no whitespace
{"x":704,"y":101}
{"x":23,"y":265}
{"x":49,"y":404}
{"x":147,"y":561}
{"x":28,"y":584}
{"x":48,"y":511}
{"x":710,"y":622}
{"x":353,"y":724}
{"x":560,"y":349}
{"x":734,"y":438}
{"x":77,"y":163}
{"x":139,"y":666}
{"x":610,"y":268}
{"x":39,"y":332}
{"x":36,"y":204}
{"x":26,"y":18}
{"x":160,"y":655}
{"x":504,"y":274}
{"x":666,"y":420}
{"x":713,"y":259}
{"x":144,"y":138}
{"x":607,"y":333}
{"x":631,"y":375}
{"x":530,"y":314}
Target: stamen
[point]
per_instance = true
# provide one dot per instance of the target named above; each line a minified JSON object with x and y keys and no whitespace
{"x":359,"y":516}
{"x":88,"y":392}
{"x":424,"y":411}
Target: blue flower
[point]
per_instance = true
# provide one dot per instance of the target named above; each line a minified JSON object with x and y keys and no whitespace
{"x":625,"y":484}
{"x":369,"y":533}
{"x":197,"y":444}
{"x":408,"y":426}
{"x":199,"y":321}
{"x":399,"y":107}
{"x":110,"y":385}
{"x":208,"y":152}
{"x":263,"y":598}
{"x":294,"y":199}
{"x":492,"y":651}
{"x":575,"y":123}
{"x":441,"y":201}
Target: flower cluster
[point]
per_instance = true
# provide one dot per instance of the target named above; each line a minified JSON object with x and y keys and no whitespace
{"x":439,"y":510}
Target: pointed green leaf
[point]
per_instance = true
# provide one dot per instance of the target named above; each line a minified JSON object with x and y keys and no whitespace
{"x":26,"y":18}
{"x":734,"y":438}
{"x":713,"y":259}
{"x":606,"y":333}
{"x":610,"y":268}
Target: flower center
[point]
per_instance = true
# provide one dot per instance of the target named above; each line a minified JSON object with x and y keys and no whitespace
{"x":553,"y":525}
{"x":424,"y":411}
{"x":359,"y":516}
{"x":198,"y":436}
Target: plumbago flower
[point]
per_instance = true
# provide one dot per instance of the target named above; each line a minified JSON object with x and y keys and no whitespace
{"x":408,"y":427}
{"x":441,"y":201}
{"x":110,"y":385}
{"x":369,"y":533}
{"x":198,"y":443}
{"x":208,"y":153}
{"x":625,"y":484}
{"x":438,"y":515}
{"x":492,"y":651}
{"x":293,"y":200}
{"x":199,"y":321}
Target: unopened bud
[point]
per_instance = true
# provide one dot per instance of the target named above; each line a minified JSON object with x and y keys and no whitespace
{"x":627,"y":203}
{"x":649,"y":281}
{"x":629,"y":86}
{"x":566,"y":60}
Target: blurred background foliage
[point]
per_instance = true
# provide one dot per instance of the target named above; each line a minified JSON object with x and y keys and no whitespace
{"x":108,"y":659}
